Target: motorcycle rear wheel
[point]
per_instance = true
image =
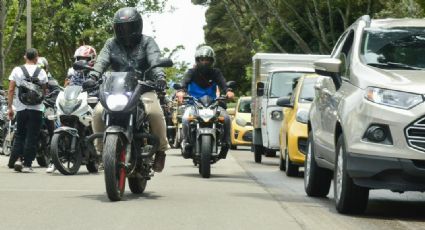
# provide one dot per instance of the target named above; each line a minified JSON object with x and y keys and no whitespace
{"x":43,"y":154}
{"x":66,"y":162}
{"x":114,"y":151}
{"x":205,"y":164}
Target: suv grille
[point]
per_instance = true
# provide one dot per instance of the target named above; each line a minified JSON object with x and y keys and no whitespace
{"x":415,"y":134}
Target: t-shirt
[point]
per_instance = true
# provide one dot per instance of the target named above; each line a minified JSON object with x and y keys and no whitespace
{"x":18,"y":76}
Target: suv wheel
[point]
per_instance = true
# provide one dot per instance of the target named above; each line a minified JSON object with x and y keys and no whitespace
{"x":349,"y":197}
{"x":317,"y":181}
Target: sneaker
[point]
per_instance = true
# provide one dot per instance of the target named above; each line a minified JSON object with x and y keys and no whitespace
{"x":18,"y":165}
{"x":27,"y":169}
{"x":51,"y":168}
{"x":159,"y":161}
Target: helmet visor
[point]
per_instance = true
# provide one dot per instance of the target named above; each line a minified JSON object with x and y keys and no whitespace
{"x":127,"y":29}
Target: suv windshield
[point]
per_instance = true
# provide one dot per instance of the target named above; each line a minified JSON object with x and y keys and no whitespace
{"x":307,"y":91}
{"x":394,"y":48}
{"x":245,"y":106}
{"x":283,"y":83}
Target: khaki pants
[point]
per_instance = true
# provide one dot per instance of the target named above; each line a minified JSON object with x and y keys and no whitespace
{"x":155,"y":116}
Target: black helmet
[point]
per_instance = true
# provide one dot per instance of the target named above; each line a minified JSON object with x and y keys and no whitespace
{"x":128,"y":26}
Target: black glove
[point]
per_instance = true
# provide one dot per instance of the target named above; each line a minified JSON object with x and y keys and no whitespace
{"x":161,"y":84}
{"x":89,"y":83}
{"x":94,"y":75}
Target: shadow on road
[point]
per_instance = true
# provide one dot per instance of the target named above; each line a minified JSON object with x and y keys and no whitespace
{"x":399,"y":209}
{"x":128,"y":196}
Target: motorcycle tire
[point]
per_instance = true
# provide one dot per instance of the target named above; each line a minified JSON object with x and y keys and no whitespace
{"x":137,"y":185}
{"x":114,"y":153}
{"x":206,"y":149}
{"x":94,"y":161}
{"x":65,"y":162}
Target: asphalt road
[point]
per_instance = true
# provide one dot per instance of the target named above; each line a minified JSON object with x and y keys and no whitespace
{"x":239,"y":195}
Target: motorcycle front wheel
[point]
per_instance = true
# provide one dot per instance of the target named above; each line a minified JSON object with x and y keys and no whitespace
{"x":65,"y":161}
{"x":206,"y":149}
{"x":114,"y":153}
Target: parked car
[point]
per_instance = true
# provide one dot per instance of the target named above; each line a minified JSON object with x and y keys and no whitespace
{"x":367,"y":122}
{"x":293,"y":130}
{"x":241,"y":131}
{"x":272,"y":78}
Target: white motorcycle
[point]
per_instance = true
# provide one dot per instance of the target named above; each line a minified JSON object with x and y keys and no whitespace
{"x":70,"y":147}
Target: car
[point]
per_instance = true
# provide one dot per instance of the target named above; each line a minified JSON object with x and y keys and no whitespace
{"x":293,"y":131}
{"x":367,"y":122}
{"x":241,"y":131}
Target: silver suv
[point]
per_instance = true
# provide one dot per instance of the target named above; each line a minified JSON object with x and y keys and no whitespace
{"x":367,"y":122}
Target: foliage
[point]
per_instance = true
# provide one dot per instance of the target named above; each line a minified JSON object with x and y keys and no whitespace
{"x":60,"y":26}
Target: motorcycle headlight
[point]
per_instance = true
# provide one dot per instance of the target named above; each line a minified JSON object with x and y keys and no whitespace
{"x":116,"y":102}
{"x":276,"y":115}
{"x":398,"y":99}
{"x":302,"y":116}
{"x":206,"y":114}
{"x":241,"y":122}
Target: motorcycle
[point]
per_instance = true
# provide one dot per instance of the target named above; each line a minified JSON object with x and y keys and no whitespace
{"x":206,"y":129}
{"x":69,"y":146}
{"x":43,"y":154}
{"x":128,"y":144}
{"x":4,"y":121}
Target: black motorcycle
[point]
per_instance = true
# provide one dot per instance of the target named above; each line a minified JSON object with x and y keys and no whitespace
{"x":43,"y":156}
{"x":128,"y":144}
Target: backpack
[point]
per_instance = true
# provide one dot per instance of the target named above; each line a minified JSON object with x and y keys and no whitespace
{"x":30,"y":91}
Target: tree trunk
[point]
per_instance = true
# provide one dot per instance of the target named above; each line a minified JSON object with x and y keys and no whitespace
{"x":291,"y":32}
{"x":260,"y":23}
{"x":238,"y":26}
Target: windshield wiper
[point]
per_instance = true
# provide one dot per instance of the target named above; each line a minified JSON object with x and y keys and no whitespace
{"x":395,"y":65}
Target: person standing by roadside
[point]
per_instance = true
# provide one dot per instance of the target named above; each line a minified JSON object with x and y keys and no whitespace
{"x":27,"y":87}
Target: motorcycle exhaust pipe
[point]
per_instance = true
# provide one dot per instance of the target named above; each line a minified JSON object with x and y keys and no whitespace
{"x":151,"y":139}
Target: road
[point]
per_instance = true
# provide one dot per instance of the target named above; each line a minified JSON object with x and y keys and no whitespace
{"x":239,"y":195}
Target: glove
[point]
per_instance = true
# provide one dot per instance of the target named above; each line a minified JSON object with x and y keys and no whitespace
{"x":89,"y":83}
{"x":161,"y":84}
{"x":94,"y":75}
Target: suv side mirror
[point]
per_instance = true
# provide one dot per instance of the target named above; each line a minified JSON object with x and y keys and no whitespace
{"x":284,"y":102}
{"x":260,"y":89}
{"x":329,"y":67}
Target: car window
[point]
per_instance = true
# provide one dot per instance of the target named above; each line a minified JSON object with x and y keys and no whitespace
{"x":307,"y":90}
{"x":282,"y":83}
{"x":394,"y":48}
{"x":244,"y":106}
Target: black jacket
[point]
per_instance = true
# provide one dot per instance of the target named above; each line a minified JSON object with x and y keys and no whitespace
{"x":204,"y":81}
{"x":120,"y":59}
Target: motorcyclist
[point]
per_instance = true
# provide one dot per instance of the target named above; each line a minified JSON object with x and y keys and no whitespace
{"x":78,"y":77}
{"x":130,"y":50}
{"x":203,"y":80}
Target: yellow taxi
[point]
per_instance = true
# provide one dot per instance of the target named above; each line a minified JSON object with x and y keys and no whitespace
{"x":293,"y":131}
{"x":241,"y":131}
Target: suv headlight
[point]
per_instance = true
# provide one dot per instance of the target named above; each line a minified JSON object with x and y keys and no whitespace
{"x":393,"y":98}
{"x":302,"y":116}
{"x":276,"y":115}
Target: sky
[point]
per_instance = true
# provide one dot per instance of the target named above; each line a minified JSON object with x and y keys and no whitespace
{"x":181,"y":24}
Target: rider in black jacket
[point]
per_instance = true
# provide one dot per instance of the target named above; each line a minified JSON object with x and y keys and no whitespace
{"x":130,"y":50}
{"x":200,"y":81}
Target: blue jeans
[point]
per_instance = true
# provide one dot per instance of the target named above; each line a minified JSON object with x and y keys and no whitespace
{"x":28,"y":125}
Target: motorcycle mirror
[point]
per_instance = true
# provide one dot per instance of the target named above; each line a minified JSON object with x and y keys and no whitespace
{"x":231,"y":84}
{"x":177,"y":86}
{"x":81,"y":65}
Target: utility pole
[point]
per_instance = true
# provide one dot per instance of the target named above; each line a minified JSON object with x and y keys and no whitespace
{"x":29,"y":34}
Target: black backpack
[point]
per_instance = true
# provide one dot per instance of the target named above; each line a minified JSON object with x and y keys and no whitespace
{"x":30,"y":91}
